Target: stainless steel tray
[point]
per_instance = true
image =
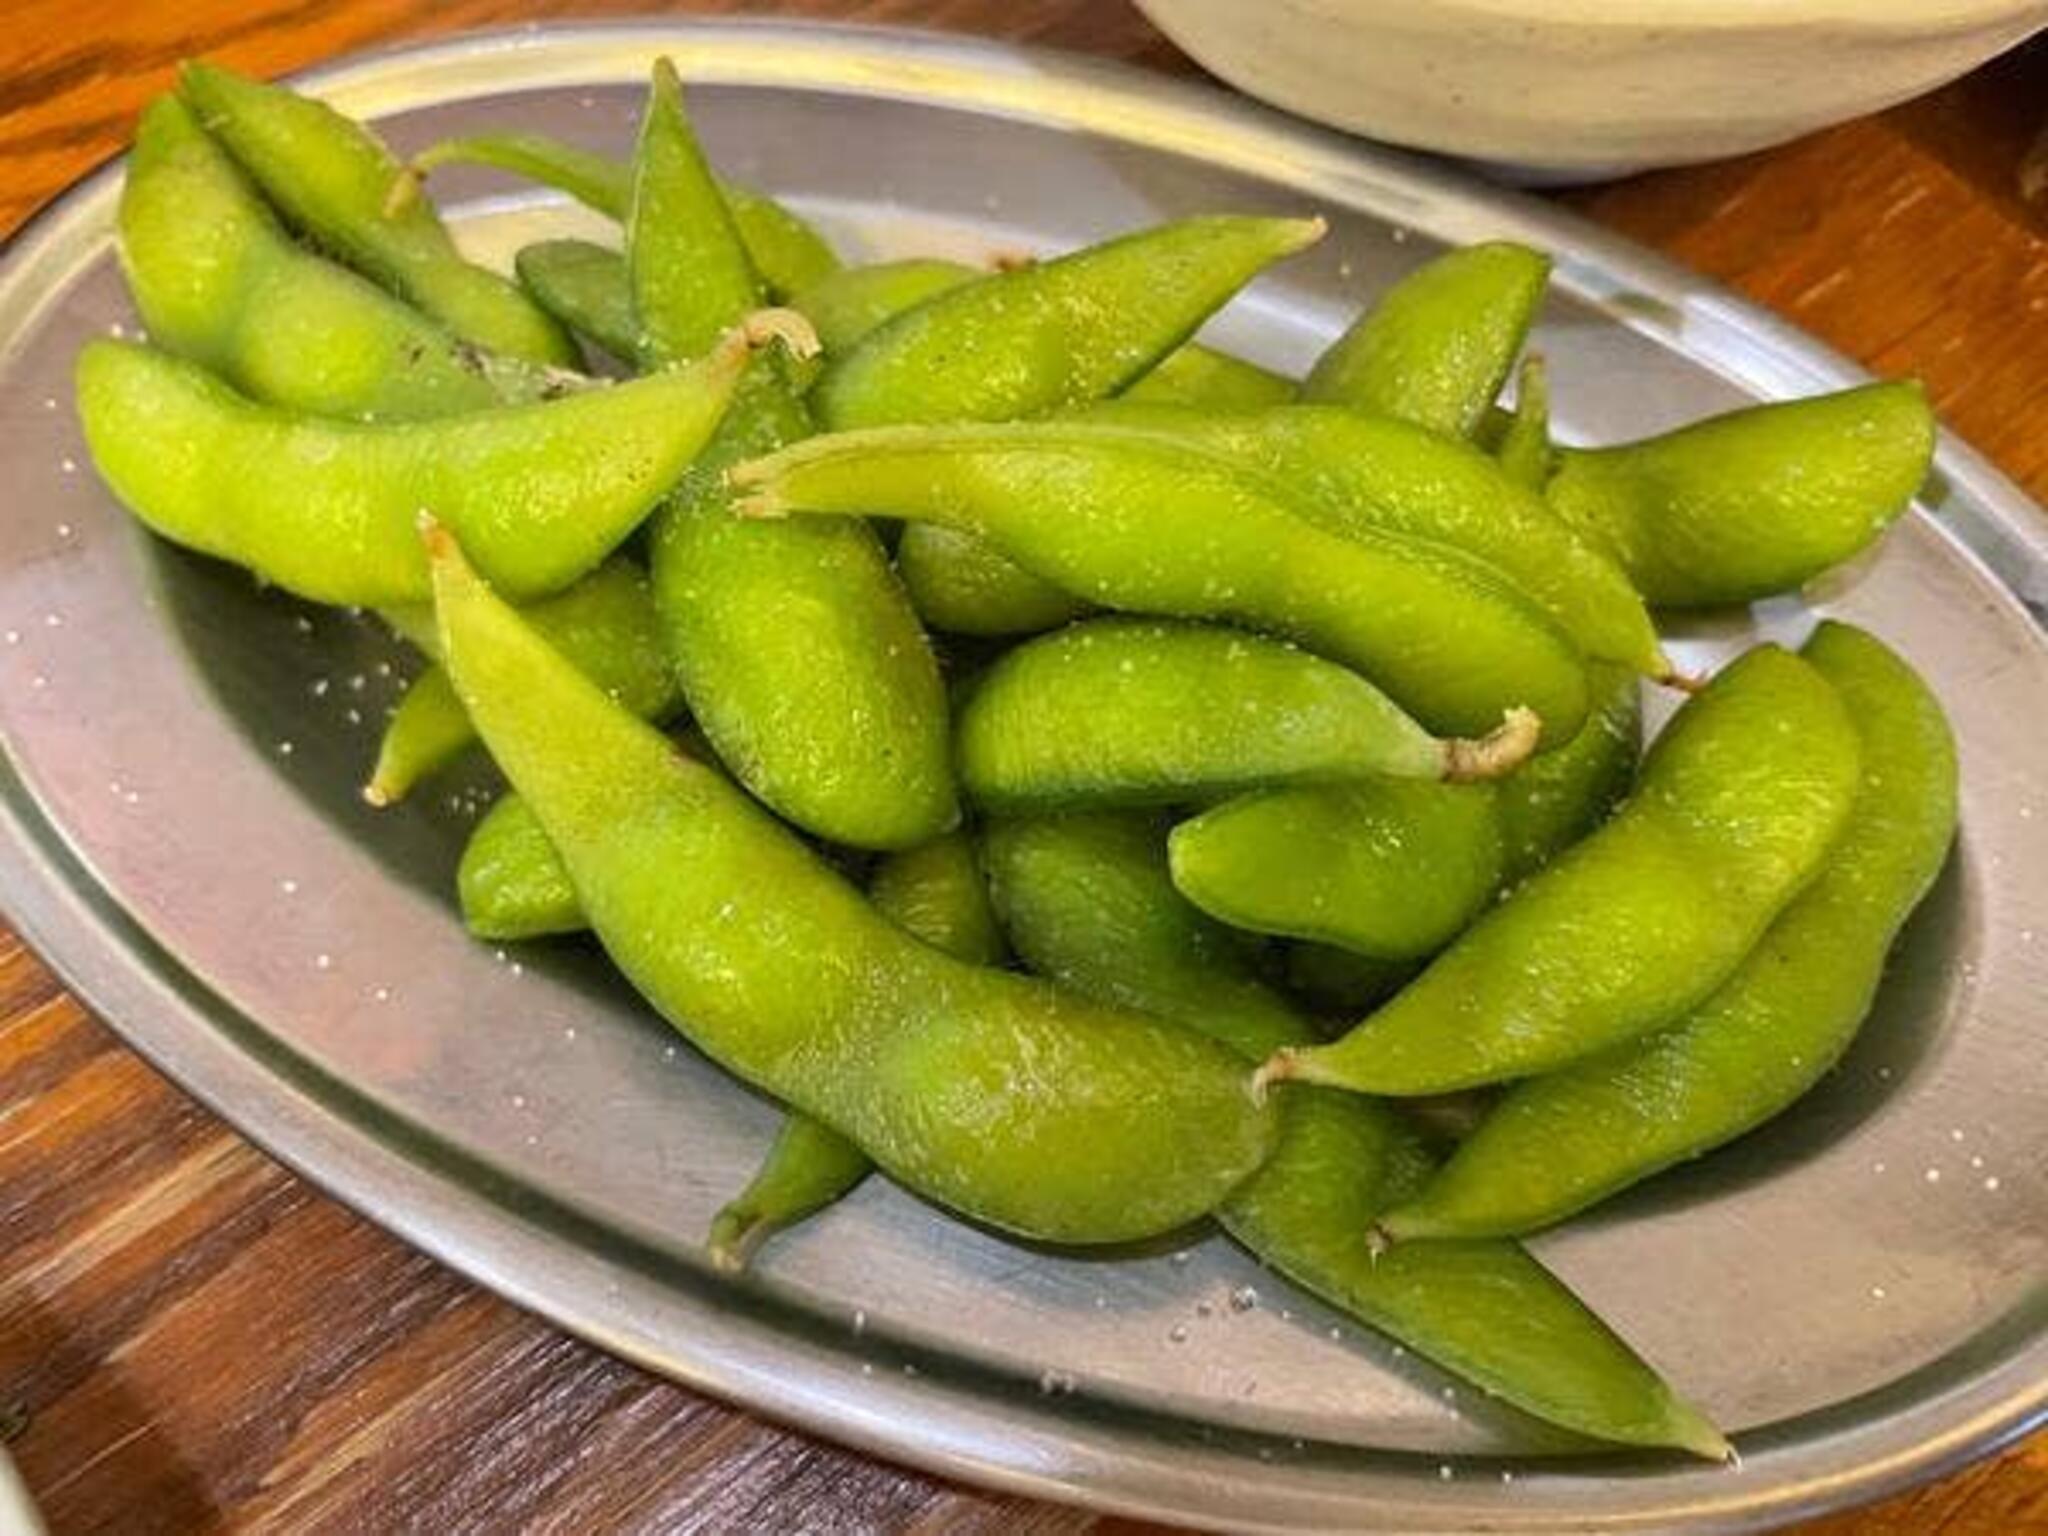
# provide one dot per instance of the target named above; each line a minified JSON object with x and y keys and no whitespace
{"x":1857,"y":1289}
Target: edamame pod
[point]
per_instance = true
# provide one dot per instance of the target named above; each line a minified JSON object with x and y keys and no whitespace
{"x":1561,"y":1143}
{"x":1053,"y":334}
{"x":605,"y":624}
{"x":1008,"y":1100}
{"x":796,"y":647}
{"x":848,"y":303}
{"x":511,"y":882}
{"x":219,"y":282}
{"x":935,"y":893}
{"x":960,"y":586}
{"x":1524,"y":452}
{"x":1029,"y":340}
{"x":1756,"y":501}
{"x":1395,"y":868}
{"x":1437,"y":346}
{"x":332,"y":177}
{"x":1087,"y":900}
{"x":584,"y":286}
{"x":807,"y":1167}
{"x":1105,"y":712}
{"x":786,"y":251}
{"x":1738,"y":804}
{"x":1135,"y":521}
{"x":1349,"y":473}
{"x":327,"y":509}
{"x":1557,"y":797}
{"x":1199,"y":376}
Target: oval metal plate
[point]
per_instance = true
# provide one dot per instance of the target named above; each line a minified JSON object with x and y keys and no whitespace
{"x":1857,"y":1289}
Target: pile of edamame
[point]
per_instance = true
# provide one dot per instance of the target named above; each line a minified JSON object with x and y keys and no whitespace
{"x":1244,"y":771}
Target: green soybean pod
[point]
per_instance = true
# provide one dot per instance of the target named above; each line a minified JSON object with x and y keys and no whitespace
{"x":1437,"y":346}
{"x":1754,"y":502}
{"x":1100,"y":713}
{"x":1557,"y":797}
{"x":511,"y":883}
{"x":934,"y":892}
{"x":1416,"y":867}
{"x":847,"y":303}
{"x":1134,"y":521}
{"x":1562,"y":1142}
{"x":583,"y":285}
{"x":1738,"y":804}
{"x":1377,"y":474}
{"x":1391,"y":868}
{"x":1035,"y":339}
{"x":1087,"y":900}
{"x":219,"y":282}
{"x":961,"y":586}
{"x":796,"y":647}
{"x":328,"y":509}
{"x":1007,"y":1100}
{"x":605,"y":624}
{"x":1524,"y":452}
{"x":332,"y":178}
{"x":1202,"y":377}
{"x":786,"y":251}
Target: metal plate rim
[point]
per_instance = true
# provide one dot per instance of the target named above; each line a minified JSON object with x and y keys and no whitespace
{"x":163,"y":1011}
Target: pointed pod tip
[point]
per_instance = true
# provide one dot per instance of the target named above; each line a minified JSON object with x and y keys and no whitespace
{"x":408,"y":185}
{"x":1692,"y":1430}
{"x":1308,"y":231}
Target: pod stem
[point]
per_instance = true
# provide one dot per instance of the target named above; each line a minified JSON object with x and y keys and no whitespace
{"x":406,"y":188}
{"x":788,"y":326}
{"x":735,"y":1234}
{"x":1499,"y":751}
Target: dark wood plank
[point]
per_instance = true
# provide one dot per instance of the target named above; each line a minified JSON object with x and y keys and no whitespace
{"x":193,"y":1339}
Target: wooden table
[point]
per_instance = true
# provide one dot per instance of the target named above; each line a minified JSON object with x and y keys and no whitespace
{"x":191,"y":1337}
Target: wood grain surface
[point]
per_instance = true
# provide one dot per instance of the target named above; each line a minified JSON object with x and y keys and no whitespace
{"x":193,"y":1339}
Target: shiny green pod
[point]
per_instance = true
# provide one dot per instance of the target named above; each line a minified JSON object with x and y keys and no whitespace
{"x":961,"y":586}
{"x":796,"y":648}
{"x":1053,"y":334}
{"x":1120,"y":711}
{"x":1378,"y":475}
{"x":1087,"y":900}
{"x":786,"y":251}
{"x":847,"y":303}
{"x":1202,"y":377}
{"x":510,"y":882}
{"x":1391,"y":868}
{"x":219,"y":282}
{"x":1135,"y":521}
{"x":1753,"y":502}
{"x":1525,"y":453}
{"x":1003,"y":1098}
{"x":605,"y":624}
{"x":1349,"y":883}
{"x":1022,"y":342}
{"x":1557,"y":797}
{"x":1739,"y":801}
{"x":1437,"y":346}
{"x":329,"y":509}
{"x":935,"y":893}
{"x":1562,"y":1142}
{"x":332,"y":178}
{"x":583,"y":285}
